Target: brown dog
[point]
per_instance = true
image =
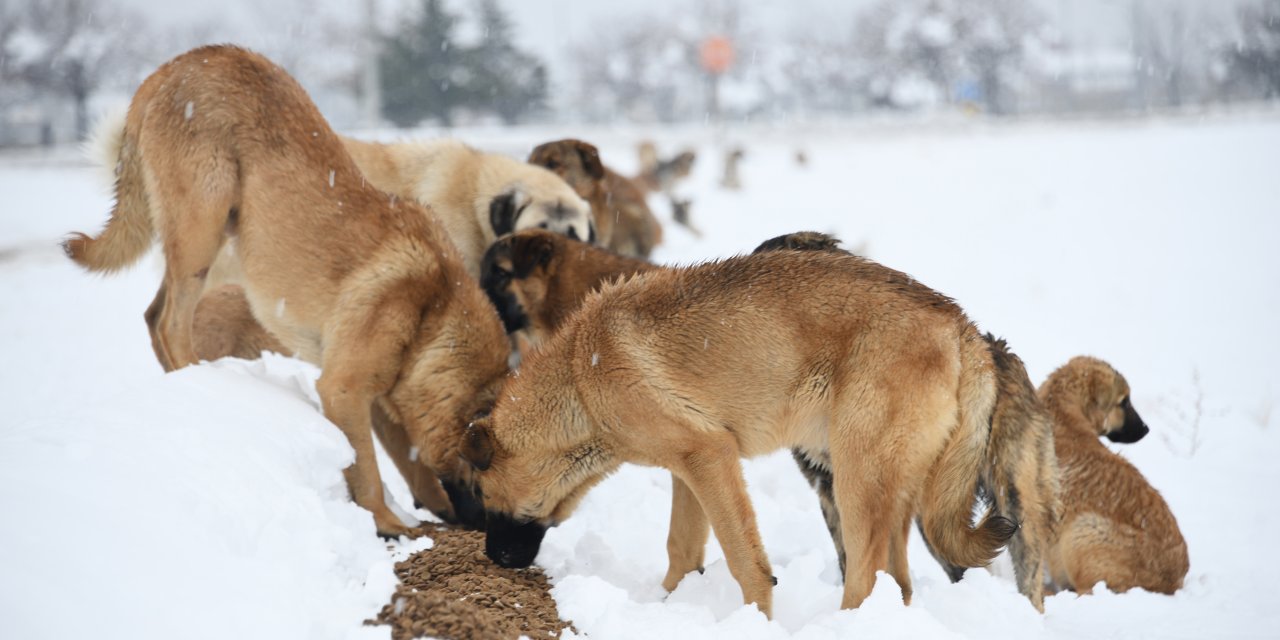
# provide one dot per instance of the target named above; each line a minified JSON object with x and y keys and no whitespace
{"x":1115,"y":528}
{"x":537,"y":279}
{"x":220,"y":143}
{"x":624,"y":222}
{"x":886,"y":378}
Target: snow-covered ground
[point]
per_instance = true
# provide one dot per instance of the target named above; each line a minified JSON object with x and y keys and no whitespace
{"x":209,"y":503}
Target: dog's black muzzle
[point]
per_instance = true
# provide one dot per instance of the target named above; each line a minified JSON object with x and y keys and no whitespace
{"x":1134,"y":428}
{"x":510,"y":543}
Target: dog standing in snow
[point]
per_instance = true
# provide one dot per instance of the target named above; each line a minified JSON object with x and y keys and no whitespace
{"x":219,"y":144}
{"x":882,"y":378}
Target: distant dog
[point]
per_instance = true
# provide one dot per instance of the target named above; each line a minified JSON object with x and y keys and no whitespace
{"x":221,"y":145}
{"x":662,"y":176}
{"x":732,"y":179}
{"x":623,"y":220}
{"x":657,"y":175}
{"x":1116,"y":528}
{"x":868,"y":370}
{"x":477,"y":196}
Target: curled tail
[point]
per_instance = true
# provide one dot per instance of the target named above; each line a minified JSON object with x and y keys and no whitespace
{"x":949,"y":495}
{"x":128,"y":233}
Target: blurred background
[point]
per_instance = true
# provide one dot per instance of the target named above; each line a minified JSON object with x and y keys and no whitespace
{"x":411,"y":63}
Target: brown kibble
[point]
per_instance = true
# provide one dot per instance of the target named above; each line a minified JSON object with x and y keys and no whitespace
{"x":453,"y":591}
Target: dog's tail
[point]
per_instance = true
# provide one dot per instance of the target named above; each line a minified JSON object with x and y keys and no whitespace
{"x":950,"y":490}
{"x":129,"y":232}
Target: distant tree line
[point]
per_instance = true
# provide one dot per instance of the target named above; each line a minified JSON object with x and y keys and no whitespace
{"x":457,"y":60}
{"x":425,"y":73}
{"x":1000,"y":57}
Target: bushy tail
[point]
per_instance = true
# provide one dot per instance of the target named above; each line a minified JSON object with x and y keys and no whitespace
{"x":949,"y":494}
{"x":128,"y":233}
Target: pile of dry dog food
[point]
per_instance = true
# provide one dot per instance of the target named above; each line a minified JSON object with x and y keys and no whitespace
{"x":453,"y":591}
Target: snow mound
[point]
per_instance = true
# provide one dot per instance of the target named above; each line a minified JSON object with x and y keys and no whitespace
{"x":207,"y":503}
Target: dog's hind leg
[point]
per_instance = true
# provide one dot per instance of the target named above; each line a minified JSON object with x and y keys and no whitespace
{"x":687,"y":538}
{"x":192,"y":201}
{"x":864,"y":507}
{"x":1028,"y":494}
{"x":152,"y":317}
{"x":898,"y":567}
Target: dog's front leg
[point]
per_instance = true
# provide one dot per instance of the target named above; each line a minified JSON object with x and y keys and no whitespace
{"x":687,"y":539}
{"x":362,"y":358}
{"x":714,"y":474}
{"x":423,"y":483}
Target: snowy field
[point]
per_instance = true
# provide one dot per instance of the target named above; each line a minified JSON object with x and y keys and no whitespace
{"x":210,"y":504}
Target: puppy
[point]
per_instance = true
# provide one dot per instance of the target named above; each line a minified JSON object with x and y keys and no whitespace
{"x":897,"y":390}
{"x":221,"y":144}
{"x":1115,"y":527}
{"x":624,"y":222}
{"x":477,"y":196}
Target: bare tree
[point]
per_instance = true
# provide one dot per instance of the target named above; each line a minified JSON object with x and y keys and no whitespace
{"x":1255,"y":59}
{"x":71,"y":47}
{"x":968,"y":50}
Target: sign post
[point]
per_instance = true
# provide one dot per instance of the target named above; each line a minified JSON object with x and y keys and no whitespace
{"x":716,"y":56}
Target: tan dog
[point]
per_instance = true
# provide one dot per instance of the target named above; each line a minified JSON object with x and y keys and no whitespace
{"x":624,"y":222}
{"x":220,"y":143}
{"x":865,"y":365}
{"x":1116,"y":528}
{"x":478,"y":196}
{"x":537,"y":279}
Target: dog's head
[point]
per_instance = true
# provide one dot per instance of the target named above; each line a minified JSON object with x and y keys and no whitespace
{"x":539,"y":199}
{"x":575,"y":161}
{"x":534,"y":458}
{"x":1102,"y":395}
{"x":514,"y":273}
{"x":536,"y":278}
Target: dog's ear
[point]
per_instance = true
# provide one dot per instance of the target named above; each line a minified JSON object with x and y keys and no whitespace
{"x":590,"y":159}
{"x":477,"y":447}
{"x":531,"y":251}
{"x":503,"y":213}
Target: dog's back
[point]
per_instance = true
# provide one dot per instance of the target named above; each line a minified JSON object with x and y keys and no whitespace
{"x":1115,"y":526}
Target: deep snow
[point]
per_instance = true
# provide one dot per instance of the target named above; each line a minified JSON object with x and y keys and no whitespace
{"x":209,"y":503}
